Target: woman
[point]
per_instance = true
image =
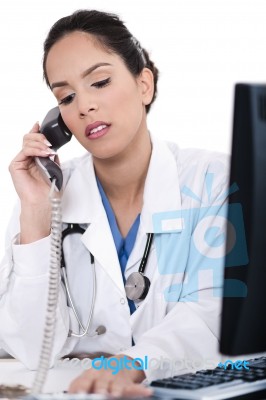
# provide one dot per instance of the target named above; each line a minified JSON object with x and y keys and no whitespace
{"x":127,"y":186}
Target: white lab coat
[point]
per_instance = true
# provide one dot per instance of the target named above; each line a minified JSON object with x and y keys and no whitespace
{"x":179,"y":319}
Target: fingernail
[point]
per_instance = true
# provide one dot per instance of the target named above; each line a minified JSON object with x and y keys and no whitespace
{"x":49,"y":152}
{"x":101,"y":391}
{"x":47,"y":143}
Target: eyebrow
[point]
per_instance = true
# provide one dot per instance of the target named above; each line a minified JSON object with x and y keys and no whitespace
{"x":83,"y":75}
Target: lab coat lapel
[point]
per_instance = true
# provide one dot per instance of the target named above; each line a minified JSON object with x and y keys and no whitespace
{"x":82,"y":203}
{"x":162,"y":190}
{"x":161,"y":194}
{"x":99,"y":240}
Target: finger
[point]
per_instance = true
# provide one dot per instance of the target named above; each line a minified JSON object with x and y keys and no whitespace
{"x":21,"y":157}
{"x":36,"y":152}
{"x":35,"y":144}
{"x":31,"y":148}
{"x":35,"y":137}
{"x":24,"y":159}
{"x":20,"y":162}
{"x":81,"y":384}
{"x":101,"y":386}
{"x":28,"y":152}
{"x":131,"y":390}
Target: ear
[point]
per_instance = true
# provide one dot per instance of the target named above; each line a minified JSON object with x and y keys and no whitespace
{"x":146,"y":85}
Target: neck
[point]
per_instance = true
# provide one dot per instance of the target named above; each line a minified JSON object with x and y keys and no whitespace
{"x":123,"y":177}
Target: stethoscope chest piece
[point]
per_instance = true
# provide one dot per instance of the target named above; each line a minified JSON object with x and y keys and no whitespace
{"x":137,"y":286}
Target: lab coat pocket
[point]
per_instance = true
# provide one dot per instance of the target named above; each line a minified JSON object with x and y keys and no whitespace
{"x":149,"y":314}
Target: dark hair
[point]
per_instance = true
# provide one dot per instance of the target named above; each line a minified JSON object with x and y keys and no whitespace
{"x":111,"y":33}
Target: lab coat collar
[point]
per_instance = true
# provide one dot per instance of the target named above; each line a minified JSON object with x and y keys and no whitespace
{"x":81,"y":200}
{"x":162,"y":191}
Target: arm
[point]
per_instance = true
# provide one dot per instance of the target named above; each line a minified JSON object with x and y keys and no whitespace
{"x":31,"y":188}
{"x":187,"y":337}
{"x":23,"y":298}
{"x":24,"y":269}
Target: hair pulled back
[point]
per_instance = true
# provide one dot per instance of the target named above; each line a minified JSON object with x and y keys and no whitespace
{"x":111,"y":33}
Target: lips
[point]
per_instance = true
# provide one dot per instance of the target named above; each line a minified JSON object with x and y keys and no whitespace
{"x":96,"y":128}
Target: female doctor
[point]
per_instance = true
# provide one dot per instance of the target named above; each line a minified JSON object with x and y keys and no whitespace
{"x":143,"y":207}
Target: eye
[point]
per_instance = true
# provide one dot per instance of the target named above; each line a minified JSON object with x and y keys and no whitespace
{"x":102,"y":84}
{"x":67,"y":100}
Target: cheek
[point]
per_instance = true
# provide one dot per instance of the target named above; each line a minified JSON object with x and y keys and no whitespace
{"x":126,"y":102}
{"x":69,"y":119}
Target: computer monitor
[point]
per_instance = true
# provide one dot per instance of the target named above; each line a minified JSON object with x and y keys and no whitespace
{"x":243,"y":324}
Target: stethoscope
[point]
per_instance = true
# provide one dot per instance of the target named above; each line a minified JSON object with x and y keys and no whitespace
{"x":136,"y":286}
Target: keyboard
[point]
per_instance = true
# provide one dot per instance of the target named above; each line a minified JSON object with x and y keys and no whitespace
{"x":216,"y":384}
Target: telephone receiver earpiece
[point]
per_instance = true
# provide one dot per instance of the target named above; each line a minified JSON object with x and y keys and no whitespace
{"x":58,"y":134}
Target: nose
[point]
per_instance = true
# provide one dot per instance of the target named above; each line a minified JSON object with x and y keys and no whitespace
{"x":86,"y":104}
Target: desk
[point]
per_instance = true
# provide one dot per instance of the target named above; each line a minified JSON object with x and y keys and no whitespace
{"x":12,"y":372}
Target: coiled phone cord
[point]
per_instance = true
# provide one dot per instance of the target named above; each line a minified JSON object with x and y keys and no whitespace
{"x":53,"y":289}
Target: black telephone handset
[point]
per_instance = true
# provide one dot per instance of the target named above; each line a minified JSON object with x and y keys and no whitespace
{"x":57,"y":133}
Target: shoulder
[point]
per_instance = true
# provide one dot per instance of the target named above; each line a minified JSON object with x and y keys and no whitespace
{"x":193,"y":160}
{"x":200,"y":168}
{"x":193,"y":157}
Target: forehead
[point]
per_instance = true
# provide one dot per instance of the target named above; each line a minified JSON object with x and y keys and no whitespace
{"x":76,"y":52}
{"x":75,"y":42}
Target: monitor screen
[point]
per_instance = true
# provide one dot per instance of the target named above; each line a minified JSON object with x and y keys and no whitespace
{"x":243,"y":325}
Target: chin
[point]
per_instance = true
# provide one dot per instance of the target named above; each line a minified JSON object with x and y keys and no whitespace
{"x":105,"y":153}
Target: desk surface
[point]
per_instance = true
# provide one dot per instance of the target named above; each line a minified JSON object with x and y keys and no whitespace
{"x":12,"y":372}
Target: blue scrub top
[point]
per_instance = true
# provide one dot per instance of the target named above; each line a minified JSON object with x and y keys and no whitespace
{"x":125,"y":245}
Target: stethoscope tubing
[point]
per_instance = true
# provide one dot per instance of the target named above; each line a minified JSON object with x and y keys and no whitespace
{"x":144,"y":281}
{"x":144,"y":259}
{"x":75,"y":228}
{"x":85,"y":330}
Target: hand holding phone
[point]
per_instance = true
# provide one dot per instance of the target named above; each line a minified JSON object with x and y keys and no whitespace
{"x":32,"y":190}
{"x":57,"y":133}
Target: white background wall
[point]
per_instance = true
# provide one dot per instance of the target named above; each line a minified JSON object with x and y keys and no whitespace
{"x":202,"y":47}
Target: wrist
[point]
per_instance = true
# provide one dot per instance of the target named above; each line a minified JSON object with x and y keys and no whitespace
{"x":35,"y":222}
